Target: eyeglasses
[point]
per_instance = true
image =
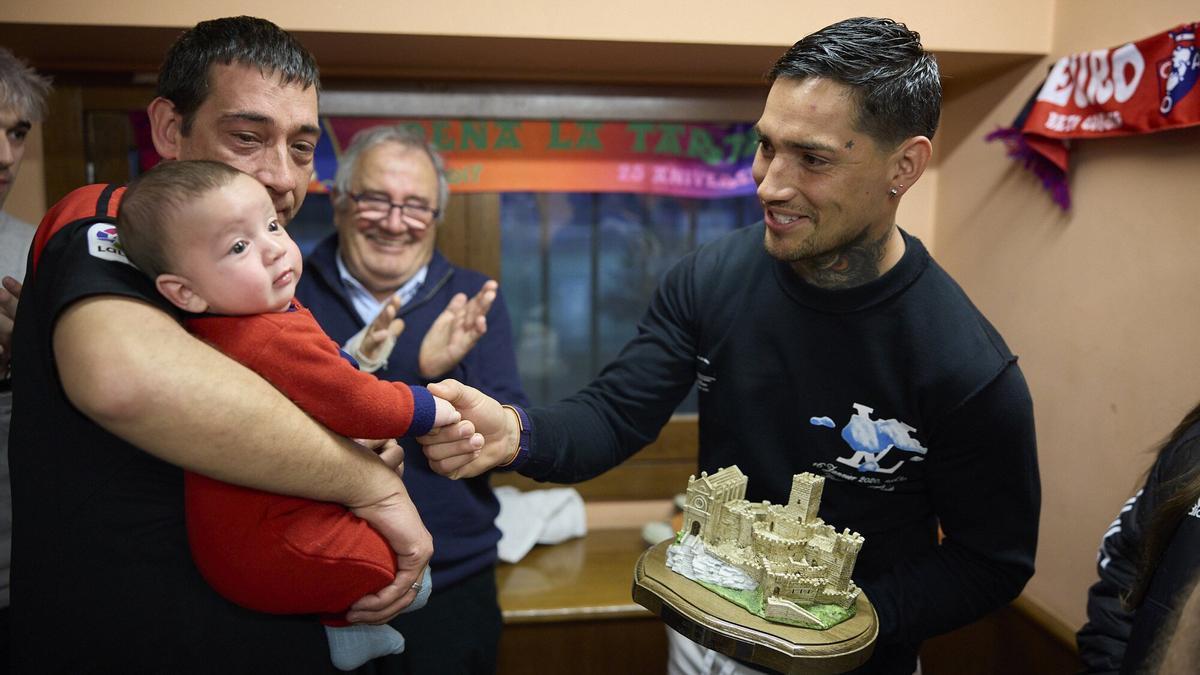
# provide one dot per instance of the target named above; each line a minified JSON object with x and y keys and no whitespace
{"x":374,"y":206}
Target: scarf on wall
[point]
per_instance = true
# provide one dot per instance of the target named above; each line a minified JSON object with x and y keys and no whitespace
{"x":1136,"y":88}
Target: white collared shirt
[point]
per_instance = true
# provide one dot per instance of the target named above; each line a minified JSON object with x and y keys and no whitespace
{"x":365,"y":302}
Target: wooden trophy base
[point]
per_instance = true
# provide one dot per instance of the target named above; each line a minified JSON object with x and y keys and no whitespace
{"x":712,"y":621}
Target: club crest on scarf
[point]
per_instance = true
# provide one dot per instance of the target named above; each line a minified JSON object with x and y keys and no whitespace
{"x":1178,"y":74}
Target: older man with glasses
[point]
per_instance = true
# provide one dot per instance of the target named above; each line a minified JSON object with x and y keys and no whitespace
{"x":380,"y":286}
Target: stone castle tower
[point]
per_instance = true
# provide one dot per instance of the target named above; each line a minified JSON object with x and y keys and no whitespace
{"x":706,"y":496}
{"x":805,"y":499}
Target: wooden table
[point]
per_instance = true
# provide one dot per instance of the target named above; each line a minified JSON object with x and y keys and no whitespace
{"x":568,"y":608}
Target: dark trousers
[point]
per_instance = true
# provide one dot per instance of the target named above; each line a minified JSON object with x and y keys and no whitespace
{"x":457,"y":633}
{"x":5,"y":630}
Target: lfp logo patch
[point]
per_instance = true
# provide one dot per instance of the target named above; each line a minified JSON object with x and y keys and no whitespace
{"x":104,"y":243}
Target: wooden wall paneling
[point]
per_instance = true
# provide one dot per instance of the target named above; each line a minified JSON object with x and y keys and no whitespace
{"x":659,"y":471}
{"x":63,"y":142}
{"x":452,"y":230}
{"x":602,"y":647}
{"x":469,"y":234}
{"x":483,"y":235}
{"x":1019,"y":638}
{"x":109,"y":141}
{"x":88,"y":123}
{"x":123,"y":97}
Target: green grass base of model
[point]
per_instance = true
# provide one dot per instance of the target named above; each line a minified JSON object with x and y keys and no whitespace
{"x":821,"y":617}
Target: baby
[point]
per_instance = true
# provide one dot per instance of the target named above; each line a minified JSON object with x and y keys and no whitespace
{"x":209,"y":237}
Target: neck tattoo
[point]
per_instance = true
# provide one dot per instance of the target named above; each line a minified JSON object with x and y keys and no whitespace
{"x":852,"y":265}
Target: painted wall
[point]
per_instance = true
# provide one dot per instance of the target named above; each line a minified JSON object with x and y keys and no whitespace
{"x":984,"y":31}
{"x":1012,"y":26}
{"x":1102,"y":304}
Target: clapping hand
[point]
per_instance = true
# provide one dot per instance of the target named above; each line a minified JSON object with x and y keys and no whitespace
{"x":384,"y":329}
{"x":455,"y":331}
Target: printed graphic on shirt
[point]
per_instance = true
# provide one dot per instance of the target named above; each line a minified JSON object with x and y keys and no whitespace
{"x":103,"y":243}
{"x":1195,"y":512}
{"x":872,"y":441}
{"x":704,"y":376}
{"x":1104,"y":555}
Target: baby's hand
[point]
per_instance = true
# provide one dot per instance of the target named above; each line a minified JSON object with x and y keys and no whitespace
{"x":446,"y":413}
{"x":449,"y":424}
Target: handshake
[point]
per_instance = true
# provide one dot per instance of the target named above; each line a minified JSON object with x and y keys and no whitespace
{"x":487,"y":435}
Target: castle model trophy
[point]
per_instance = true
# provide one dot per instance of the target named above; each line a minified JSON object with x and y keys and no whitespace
{"x":769,"y":584}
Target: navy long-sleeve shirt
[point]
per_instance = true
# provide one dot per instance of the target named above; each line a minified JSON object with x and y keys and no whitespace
{"x":898,"y":391}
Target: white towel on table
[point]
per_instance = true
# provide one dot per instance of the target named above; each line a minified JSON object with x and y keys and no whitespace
{"x":547,"y":516}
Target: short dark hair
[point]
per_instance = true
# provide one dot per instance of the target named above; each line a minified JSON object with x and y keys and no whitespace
{"x":153,"y":198}
{"x":895,"y":81}
{"x":246,"y":40}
